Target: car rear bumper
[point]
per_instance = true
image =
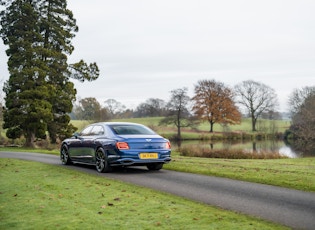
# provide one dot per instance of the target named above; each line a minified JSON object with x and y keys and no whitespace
{"x":131,"y":161}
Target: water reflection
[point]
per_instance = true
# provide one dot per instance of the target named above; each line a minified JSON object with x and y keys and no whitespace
{"x":249,"y":146}
{"x":288,"y":152}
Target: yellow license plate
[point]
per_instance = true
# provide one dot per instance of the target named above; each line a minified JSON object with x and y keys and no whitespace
{"x":149,"y":156}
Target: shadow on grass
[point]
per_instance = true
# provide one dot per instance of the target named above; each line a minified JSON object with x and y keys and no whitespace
{"x":116,"y":170}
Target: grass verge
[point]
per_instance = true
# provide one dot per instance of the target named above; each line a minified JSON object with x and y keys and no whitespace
{"x":295,"y":173}
{"x":39,"y":196}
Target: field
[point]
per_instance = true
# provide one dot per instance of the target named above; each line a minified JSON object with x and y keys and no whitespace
{"x":296,"y":173}
{"x":40,"y":196}
{"x":202,"y":130}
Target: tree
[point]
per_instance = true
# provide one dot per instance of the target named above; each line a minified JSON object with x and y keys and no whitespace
{"x":256,"y":98}
{"x":27,"y":108}
{"x":90,"y":109}
{"x":156,"y":107}
{"x":303,"y":120}
{"x":114,"y":107}
{"x":298,"y":96}
{"x":214,"y":103}
{"x":39,"y":94}
{"x":178,"y":113}
{"x":152,"y":107}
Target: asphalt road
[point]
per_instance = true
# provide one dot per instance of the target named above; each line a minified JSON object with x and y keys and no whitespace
{"x":292,"y":208}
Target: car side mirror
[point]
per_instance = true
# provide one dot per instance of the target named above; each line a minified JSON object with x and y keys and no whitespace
{"x":76,"y":135}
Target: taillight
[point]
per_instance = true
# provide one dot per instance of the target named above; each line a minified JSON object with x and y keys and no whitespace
{"x":168,"y":145}
{"x":122,"y":145}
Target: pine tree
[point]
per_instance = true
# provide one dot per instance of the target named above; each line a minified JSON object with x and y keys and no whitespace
{"x":57,"y":29}
{"x":39,"y":93}
{"x":27,"y":108}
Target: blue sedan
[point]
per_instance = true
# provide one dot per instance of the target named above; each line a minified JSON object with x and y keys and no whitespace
{"x":110,"y":144}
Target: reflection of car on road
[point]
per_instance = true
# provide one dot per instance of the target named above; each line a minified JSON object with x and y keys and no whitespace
{"x":109,"y":144}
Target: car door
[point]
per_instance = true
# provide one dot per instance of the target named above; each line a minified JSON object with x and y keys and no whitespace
{"x":79,"y":148}
{"x":90,"y":142}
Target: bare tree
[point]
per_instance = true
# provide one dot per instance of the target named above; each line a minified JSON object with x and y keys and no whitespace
{"x":114,"y":107}
{"x":152,"y":107}
{"x":214,"y":103}
{"x":303,"y":122}
{"x":178,"y":113}
{"x":297,"y":98}
{"x":256,"y":98}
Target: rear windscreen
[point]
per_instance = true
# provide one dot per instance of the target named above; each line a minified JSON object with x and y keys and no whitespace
{"x":131,"y":130}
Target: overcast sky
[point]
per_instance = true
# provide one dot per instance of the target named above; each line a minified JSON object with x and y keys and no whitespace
{"x":146,"y":48}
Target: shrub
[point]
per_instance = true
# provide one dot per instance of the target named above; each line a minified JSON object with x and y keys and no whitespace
{"x":199,"y":151}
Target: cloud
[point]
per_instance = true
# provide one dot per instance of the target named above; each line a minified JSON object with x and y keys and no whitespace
{"x":146,"y":48}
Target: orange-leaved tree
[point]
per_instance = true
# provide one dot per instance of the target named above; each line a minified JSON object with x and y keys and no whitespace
{"x":213,"y":102}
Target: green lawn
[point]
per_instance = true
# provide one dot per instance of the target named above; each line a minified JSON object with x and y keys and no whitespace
{"x":245,"y":126}
{"x":40,"y":196}
{"x":295,"y":173}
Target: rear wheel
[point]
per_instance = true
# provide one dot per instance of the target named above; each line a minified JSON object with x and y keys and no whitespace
{"x":101,"y":161}
{"x":155,"y":166}
{"x":64,"y":155}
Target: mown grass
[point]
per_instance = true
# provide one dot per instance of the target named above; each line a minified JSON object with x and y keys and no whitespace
{"x":295,"y":173}
{"x":41,"y":196}
{"x":244,"y":126}
{"x":266,"y":129}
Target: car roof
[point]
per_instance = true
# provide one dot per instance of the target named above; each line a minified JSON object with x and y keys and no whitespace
{"x":115,"y":123}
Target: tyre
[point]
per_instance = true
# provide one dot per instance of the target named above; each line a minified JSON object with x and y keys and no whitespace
{"x":155,"y":166}
{"x":64,"y":155}
{"x":101,"y":161}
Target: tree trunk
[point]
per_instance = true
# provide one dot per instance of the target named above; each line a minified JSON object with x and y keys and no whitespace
{"x":253,"y":123}
{"x":30,"y":140}
{"x":178,"y":133}
{"x":254,"y":147}
{"x":178,"y":127}
{"x":211,"y":127}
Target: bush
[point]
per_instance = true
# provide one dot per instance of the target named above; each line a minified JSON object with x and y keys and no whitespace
{"x":199,"y":151}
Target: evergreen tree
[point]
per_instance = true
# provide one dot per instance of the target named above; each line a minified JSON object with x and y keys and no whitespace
{"x":27,"y":108}
{"x":39,"y":94}
{"x":57,"y":29}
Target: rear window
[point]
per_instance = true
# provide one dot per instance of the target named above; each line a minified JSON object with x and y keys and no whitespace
{"x":131,"y":130}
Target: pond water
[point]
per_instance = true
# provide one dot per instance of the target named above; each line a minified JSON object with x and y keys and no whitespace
{"x":250,"y":146}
